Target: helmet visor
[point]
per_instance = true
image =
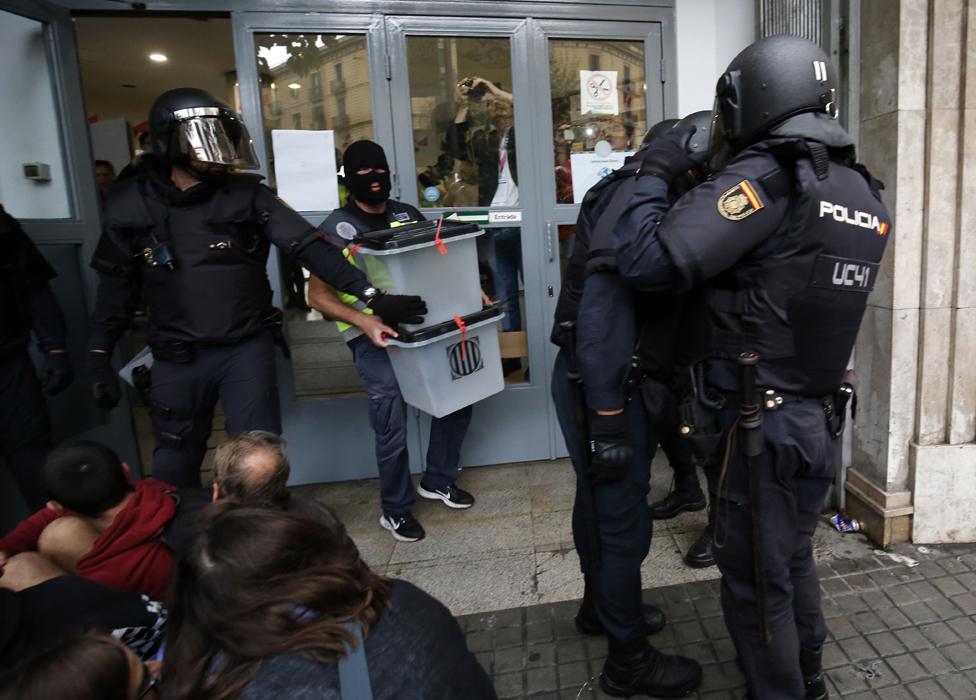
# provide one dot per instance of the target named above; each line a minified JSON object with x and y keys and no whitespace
{"x":214,"y":135}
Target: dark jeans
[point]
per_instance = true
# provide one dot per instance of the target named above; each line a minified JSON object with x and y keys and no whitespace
{"x":388,"y":419}
{"x":241,"y":376}
{"x":508,"y":269}
{"x":622,"y":514}
{"x":796,"y":470}
{"x":25,"y":428}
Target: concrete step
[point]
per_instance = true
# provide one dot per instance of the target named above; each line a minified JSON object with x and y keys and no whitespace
{"x":319,"y":381}
{"x":324,"y":353}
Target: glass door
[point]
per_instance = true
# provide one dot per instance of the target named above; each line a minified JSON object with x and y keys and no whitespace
{"x":321,"y":79}
{"x":462,"y":101}
{"x":601,"y":85}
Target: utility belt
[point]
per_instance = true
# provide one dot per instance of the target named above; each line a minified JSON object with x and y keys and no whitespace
{"x":185,"y":351}
{"x":701,"y":406}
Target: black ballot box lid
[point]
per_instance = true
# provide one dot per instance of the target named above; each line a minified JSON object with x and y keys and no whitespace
{"x":413,"y":234}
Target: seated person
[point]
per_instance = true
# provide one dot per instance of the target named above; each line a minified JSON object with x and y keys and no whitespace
{"x":99,"y":525}
{"x":87,"y":667}
{"x":60,"y":607}
{"x":268,"y":604}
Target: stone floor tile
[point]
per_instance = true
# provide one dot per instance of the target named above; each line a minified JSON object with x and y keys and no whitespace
{"x":966,"y":602}
{"x":934,"y":662}
{"x":957,"y":685}
{"x":965,"y":627}
{"x":913,"y":639}
{"x":949,"y":586}
{"x":540,"y":680}
{"x":927,"y":690}
{"x":961,"y":655}
{"x":466,"y":540}
{"x":557,"y":576}
{"x":552,"y":531}
{"x":539,"y":655}
{"x":886,"y":644}
{"x":906,"y":667}
{"x":510,"y":685}
{"x":939,"y":633}
{"x":549,"y":498}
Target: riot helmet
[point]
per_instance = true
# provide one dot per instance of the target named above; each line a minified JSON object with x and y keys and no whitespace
{"x":697,"y":145}
{"x":770,"y":81}
{"x":373,"y":185}
{"x":188,"y":125}
{"x":657,"y":130}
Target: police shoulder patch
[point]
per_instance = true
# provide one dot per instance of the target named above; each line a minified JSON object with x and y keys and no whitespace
{"x":738,"y":202}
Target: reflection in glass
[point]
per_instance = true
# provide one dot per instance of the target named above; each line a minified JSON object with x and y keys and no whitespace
{"x":317,"y":82}
{"x":500,"y":268}
{"x":578,"y":122}
{"x":462,"y":114}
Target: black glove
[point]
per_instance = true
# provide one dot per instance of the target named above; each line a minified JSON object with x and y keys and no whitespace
{"x":610,"y":448}
{"x":56,"y":374}
{"x":667,"y":156}
{"x":399,"y":308}
{"x":104,"y":381}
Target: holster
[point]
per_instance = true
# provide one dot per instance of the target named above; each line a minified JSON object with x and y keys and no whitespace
{"x":275,"y":323}
{"x":180,"y":352}
{"x":700,"y":417}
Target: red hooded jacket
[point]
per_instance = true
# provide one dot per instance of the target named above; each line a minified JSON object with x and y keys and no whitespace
{"x":128,"y":554}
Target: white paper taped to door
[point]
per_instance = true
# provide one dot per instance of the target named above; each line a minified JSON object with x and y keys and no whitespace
{"x":305,"y":169}
{"x":598,"y":92}
{"x":590,"y":168}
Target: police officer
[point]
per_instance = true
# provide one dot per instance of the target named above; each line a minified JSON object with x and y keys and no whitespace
{"x":611,"y":438}
{"x":785,"y":243}
{"x":192,"y":238}
{"x":369,"y":208}
{"x":27,"y":305}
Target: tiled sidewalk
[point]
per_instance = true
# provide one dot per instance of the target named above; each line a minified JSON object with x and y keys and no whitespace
{"x":894,"y":632}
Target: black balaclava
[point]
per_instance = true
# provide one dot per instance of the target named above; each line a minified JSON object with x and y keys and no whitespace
{"x":366,"y":154}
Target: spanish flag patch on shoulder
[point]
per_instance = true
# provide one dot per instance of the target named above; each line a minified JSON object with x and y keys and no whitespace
{"x":738,"y":202}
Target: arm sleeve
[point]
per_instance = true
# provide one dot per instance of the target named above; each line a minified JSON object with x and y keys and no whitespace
{"x":605,"y":340}
{"x":119,"y":282}
{"x":702,"y":241}
{"x":289,"y":230}
{"x":24,"y":537}
{"x":47,"y":318}
{"x":642,"y":262}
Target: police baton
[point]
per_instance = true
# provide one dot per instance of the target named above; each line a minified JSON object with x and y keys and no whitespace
{"x":587,"y":498}
{"x":751,"y":437}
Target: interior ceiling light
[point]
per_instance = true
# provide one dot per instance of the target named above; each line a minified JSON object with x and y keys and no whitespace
{"x":294,"y":86}
{"x":158,"y":57}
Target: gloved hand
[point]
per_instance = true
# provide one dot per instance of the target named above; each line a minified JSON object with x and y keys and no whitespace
{"x":667,"y":156}
{"x":56,"y":374}
{"x":104,"y":381}
{"x":399,"y":308}
{"x":610,"y":448}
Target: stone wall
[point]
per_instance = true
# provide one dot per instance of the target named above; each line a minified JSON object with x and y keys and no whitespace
{"x":914,"y":462}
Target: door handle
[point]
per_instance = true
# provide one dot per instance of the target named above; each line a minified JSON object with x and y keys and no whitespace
{"x":550,"y":247}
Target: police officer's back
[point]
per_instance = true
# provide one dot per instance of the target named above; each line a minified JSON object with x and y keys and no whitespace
{"x":191,"y":239}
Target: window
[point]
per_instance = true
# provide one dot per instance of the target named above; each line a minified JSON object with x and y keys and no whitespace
{"x":296,"y":120}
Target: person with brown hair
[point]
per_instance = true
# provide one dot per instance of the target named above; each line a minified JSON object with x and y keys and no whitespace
{"x":272,"y":604}
{"x":86,"y":667}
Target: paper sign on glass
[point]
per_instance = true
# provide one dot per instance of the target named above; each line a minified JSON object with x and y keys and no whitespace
{"x":305,"y":169}
{"x":598,"y":92}
{"x":590,"y":168}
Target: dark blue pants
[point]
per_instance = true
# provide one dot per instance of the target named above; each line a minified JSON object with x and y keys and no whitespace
{"x":388,"y":419}
{"x":241,"y":376}
{"x":508,"y":269}
{"x":796,"y":470}
{"x":622,"y":513}
{"x":25,"y":428}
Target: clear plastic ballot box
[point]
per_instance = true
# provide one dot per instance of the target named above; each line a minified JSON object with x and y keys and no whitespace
{"x":448,"y":366}
{"x":436,"y":260}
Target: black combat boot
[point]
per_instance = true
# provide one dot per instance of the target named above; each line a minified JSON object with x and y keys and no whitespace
{"x":686,"y":495}
{"x":588,"y":622}
{"x":814,"y":680}
{"x":700,"y":554}
{"x":637,"y":668}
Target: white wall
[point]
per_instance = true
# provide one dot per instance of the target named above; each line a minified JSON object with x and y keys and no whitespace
{"x":28,"y":123}
{"x":709,"y":35}
{"x":110,"y":141}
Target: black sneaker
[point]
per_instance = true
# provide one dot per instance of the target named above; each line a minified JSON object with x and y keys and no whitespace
{"x":403,"y":527}
{"x":452,"y":496}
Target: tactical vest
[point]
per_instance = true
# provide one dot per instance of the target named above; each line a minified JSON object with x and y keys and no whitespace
{"x":397,"y":214}
{"x":217,"y":290}
{"x":797,"y":299}
{"x":22,"y":268}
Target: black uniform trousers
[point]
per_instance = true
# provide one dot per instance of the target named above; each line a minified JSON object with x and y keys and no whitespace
{"x":25,"y":427}
{"x":184,"y":396}
{"x":796,"y":470}
{"x":622,"y":514}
